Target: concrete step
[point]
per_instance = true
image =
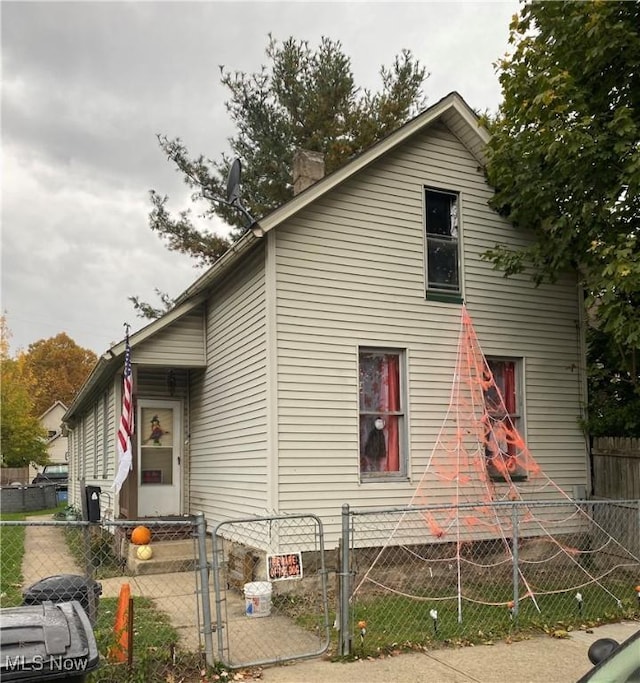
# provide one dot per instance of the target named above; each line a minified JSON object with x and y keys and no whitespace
{"x":168,"y":556}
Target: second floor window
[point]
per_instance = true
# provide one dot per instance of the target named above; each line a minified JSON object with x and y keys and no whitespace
{"x":441,"y":227}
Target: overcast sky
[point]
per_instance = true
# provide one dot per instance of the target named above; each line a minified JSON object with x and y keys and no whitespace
{"x":86,"y":86}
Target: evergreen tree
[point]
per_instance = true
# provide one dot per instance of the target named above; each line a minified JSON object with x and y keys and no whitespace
{"x":306,"y":98}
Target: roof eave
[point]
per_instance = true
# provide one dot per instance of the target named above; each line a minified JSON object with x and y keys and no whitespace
{"x":224,"y":263}
{"x":114,"y":356}
{"x":452,"y":102}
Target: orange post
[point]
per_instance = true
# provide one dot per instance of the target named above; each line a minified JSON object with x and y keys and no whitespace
{"x":120,"y":650}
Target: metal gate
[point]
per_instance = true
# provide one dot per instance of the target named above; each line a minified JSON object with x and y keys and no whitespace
{"x":270,"y":584}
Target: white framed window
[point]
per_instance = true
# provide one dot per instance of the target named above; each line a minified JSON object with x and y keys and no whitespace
{"x":382,"y":409}
{"x":442,"y":243}
{"x":504,"y":438}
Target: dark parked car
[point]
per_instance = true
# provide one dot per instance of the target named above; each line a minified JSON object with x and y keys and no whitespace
{"x":57,"y":474}
{"x":619,"y":662}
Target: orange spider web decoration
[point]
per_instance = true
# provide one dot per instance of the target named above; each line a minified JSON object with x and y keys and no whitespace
{"x":479,"y":453}
{"x":483,"y":462}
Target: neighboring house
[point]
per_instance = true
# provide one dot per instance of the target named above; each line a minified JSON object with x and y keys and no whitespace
{"x":259,"y":392}
{"x":57,"y":444}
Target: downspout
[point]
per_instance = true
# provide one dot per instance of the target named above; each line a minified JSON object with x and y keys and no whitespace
{"x":271,"y":342}
{"x":582,"y":386}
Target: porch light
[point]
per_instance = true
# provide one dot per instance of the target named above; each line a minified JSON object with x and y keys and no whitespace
{"x":171,"y":382}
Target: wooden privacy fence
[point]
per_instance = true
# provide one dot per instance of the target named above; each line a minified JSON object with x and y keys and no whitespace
{"x":9,"y":475}
{"x":616,"y":468}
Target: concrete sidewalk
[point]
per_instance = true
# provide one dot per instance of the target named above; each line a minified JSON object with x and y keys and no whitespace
{"x":540,"y":659}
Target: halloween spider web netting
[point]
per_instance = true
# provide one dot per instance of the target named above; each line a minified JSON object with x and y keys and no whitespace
{"x":482,"y":463}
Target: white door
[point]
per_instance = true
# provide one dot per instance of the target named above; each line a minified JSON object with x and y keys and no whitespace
{"x":159,"y":430}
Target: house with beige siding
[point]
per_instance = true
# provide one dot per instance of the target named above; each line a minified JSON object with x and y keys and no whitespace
{"x":312,"y":364}
{"x":51,"y":421}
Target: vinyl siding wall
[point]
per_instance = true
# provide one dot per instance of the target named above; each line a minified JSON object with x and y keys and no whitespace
{"x":179,"y":344}
{"x":229,"y":436}
{"x":350,"y":273}
{"x":92,"y":449}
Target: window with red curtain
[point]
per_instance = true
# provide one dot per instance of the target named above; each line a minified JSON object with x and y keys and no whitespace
{"x":502,"y":402}
{"x":381,"y":413}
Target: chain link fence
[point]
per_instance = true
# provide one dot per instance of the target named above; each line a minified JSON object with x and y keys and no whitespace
{"x":472,"y":573}
{"x":255,"y":591}
{"x":271,"y":595}
{"x":251,"y":592}
{"x":157,"y":634}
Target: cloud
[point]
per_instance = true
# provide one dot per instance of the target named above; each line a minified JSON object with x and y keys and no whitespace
{"x":81,"y":250}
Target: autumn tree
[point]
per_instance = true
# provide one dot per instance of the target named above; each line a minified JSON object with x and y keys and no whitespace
{"x":55,"y":369}
{"x":22,"y":438}
{"x":306,"y":98}
{"x":565,"y":158}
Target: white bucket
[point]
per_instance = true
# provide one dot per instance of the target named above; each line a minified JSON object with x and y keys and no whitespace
{"x":257,"y":598}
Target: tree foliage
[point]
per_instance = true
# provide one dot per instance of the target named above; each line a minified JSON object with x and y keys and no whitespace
{"x":54,"y":370}
{"x":146,"y":310}
{"x":614,"y":403}
{"x":565,"y":157}
{"x":22,"y":438}
{"x":306,"y":98}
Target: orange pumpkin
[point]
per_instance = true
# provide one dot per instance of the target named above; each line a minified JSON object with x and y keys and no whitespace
{"x":141,"y":535}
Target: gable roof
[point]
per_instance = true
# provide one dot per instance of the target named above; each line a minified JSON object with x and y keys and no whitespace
{"x":452,"y":110}
{"x":113,"y":359}
{"x":52,"y":407}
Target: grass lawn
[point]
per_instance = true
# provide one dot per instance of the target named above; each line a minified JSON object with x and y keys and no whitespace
{"x":385,"y":622}
{"x":11,"y":553}
{"x":155,"y":646}
{"x":394,"y":621}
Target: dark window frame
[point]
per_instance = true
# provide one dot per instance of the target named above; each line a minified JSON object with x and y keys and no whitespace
{"x":442,"y":230}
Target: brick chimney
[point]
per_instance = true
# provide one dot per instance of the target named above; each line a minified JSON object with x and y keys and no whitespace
{"x":308,"y":168}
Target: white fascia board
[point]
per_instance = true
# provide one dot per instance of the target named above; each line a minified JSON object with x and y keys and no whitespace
{"x":114,"y":356}
{"x":452,"y":103}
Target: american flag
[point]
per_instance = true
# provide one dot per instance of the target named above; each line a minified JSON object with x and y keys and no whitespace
{"x":126,"y":423}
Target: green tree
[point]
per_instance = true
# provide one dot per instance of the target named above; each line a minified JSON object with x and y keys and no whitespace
{"x":22,"y":438}
{"x":614,"y":404}
{"x":54,"y":369}
{"x":306,"y":98}
{"x":565,"y":158}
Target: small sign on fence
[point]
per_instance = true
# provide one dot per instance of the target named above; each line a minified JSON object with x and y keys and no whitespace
{"x":287,"y":566}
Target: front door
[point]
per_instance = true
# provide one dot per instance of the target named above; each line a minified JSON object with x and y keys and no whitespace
{"x":159,"y":430}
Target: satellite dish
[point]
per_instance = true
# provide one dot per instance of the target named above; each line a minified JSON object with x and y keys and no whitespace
{"x":233,"y":191}
{"x":233,"y":182}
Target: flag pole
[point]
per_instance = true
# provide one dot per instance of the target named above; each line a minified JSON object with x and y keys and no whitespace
{"x":125,"y":430}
